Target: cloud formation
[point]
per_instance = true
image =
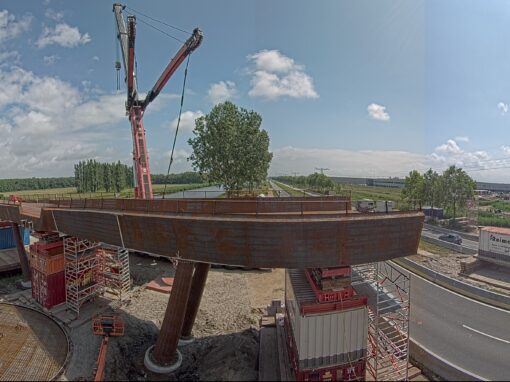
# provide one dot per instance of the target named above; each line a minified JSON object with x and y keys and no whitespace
{"x":275,"y":75}
{"x":221,"y":92}
{"x":50,"y":60}
{"x":63,"y":35}
{"x":503,"y":108}
{"x":378,"y":112}
{"x":187,"y":120}
{"x":10,"y":27}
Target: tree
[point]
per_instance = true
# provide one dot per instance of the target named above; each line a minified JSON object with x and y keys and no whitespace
{"x":414,"y":188}
{"x":230,"y":148}
{"x":458,"y":188}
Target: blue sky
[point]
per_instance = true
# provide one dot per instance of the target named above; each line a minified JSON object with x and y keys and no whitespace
{"x":364,"y":88}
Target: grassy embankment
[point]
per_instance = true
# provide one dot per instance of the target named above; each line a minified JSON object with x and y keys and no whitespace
{"x":70,"y":192}
{"x":290,"y":190}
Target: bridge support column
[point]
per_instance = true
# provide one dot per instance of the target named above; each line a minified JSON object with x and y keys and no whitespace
{"x":23,"y":259}
{"x":164,"y":357}
{"x":197,"y":289}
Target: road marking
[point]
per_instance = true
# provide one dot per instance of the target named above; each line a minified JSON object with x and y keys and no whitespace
{"x":485,"y":334}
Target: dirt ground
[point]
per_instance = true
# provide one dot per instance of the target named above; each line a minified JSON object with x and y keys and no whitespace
{"x":226,"y":328}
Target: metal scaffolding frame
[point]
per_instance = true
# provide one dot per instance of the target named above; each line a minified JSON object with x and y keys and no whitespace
{"x":82,"y":272}
{"x":115,"y":269}
{"x":388,"y":292}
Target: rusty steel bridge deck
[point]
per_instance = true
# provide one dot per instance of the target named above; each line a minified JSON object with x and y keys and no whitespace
{"x":264,"y":233}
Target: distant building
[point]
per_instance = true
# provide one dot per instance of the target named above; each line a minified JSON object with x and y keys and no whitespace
{"x":494,"y":187}
{"x":348,"y":180}
{"x":386,"y":182}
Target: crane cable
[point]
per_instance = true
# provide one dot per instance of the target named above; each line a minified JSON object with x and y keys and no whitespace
{"x":158,"y":21}
{"x":177,"y":127}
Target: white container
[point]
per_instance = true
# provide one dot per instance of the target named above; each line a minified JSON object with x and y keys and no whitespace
{"x":365,"y":205}
{"x":494,"y":245}
{"x":323,"y":339}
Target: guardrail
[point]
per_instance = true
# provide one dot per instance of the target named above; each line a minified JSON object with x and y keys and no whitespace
{"x":465,"y":289}
{"x":467,"y":236}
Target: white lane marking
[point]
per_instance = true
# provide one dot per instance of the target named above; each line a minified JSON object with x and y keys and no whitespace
{"x":485,"y":334}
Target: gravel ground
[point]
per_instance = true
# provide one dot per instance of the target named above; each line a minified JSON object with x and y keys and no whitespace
{"x":226,"y":328}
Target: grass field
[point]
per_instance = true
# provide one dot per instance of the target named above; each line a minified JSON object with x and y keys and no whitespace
{"x":291,"y":191}
{"x":434,"y":248}
{"x":375,"y":193}
{"x":70,"y":192}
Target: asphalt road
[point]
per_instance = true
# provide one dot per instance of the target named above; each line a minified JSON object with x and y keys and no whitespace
{"x":471,"y":335}
{"x":470,"y":244}
{"x":205,"y":192}
{"x":283,"y":194}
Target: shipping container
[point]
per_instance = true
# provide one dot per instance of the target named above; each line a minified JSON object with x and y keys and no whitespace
{"x":7,"y":238}
{"x":494,"y":245}
{"x":46,"y":264}
{"x":433,"y":212}
{"x":48,"y":290}
{"x":323,"y":334}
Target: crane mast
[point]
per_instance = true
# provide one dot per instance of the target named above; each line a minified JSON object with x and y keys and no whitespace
{"x":135,"y":108}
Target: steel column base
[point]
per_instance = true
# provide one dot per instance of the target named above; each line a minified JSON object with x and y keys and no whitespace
{"x":183,"y":341}
{"x":151,"y":364}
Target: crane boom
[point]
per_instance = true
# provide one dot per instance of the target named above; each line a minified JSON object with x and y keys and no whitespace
{"x":135,"y":108}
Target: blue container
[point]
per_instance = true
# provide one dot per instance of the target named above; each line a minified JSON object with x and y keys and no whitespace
{"x":7,"y":238}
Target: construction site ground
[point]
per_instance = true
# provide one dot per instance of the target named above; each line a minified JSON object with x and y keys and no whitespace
{"x":490,"y":277}
{"x":226,"y":329}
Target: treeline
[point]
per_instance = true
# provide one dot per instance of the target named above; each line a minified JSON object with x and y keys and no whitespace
{"x":315,"y":182}
{"x":449,"y":190}
{"x":188,"y":177}
{"x":7,"y":185}
{"x":93,"y":176}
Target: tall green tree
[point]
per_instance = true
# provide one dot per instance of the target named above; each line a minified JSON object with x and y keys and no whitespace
{"x":458,"y":188}
{"x":413,"y":190}
{"x":230,"y":148}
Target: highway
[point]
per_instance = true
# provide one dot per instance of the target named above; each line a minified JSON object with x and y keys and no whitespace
{"x":469,"y":244}
{"x":470,"y":335}
{"x":281,"y":192}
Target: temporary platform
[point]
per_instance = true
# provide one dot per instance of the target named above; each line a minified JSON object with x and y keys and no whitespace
{"x":114,"y":269}
{"x":83,"y":278}
{"x":33,"y":347}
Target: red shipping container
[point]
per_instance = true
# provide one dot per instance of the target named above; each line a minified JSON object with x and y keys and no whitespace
{"x":48,"y":290}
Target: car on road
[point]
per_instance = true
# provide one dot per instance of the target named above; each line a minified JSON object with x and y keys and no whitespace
{"x":452,"y":238}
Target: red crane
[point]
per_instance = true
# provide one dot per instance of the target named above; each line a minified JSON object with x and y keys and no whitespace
{"x":135,"y":107}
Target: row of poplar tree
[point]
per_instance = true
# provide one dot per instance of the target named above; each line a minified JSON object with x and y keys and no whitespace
{"x":93,"y":176}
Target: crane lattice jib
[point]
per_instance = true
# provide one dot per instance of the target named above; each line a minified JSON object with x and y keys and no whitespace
{"x":135,"y":108}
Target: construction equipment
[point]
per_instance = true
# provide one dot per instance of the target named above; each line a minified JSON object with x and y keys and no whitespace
{"x":106,"y":325}
{"x":135,"y":107}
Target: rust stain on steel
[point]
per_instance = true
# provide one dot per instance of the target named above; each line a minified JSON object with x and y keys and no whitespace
{"x":325,"y":235}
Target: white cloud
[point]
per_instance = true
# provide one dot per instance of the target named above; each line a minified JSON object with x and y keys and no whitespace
{"x":47,"y":125}
{"x":50,"y":60}
{"x":506,"y":149}
{"x":503,"y":108}
{"x":63,"y":35}
{"x":10,"y":27}
{"x":95,"y":58}
{"x":10,"y":58}
{"x":358,"y":163}
{"x":187,"y":120}
{"x":221,"y":92}
{"x":54,"y":15}
{"x":378,"y":112}
{"x":275,"y":75}
{"x":450,"y":147}
{"x":462,"y":139}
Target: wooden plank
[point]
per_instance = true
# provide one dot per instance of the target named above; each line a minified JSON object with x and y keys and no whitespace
{"x":269,"y":369}
{"x":9,"y":260}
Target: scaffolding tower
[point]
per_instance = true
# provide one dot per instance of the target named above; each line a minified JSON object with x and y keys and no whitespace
{"x":388,"y":292}
{"x":83,"y":276}
{"x":115,"y":269}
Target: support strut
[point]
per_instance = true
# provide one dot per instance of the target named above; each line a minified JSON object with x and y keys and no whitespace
{"x":197,"y":289}
{"x":23,"y":259}
{"x":164,"y":356}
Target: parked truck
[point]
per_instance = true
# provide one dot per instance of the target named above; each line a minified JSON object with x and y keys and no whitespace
{"x":494,"y":245}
